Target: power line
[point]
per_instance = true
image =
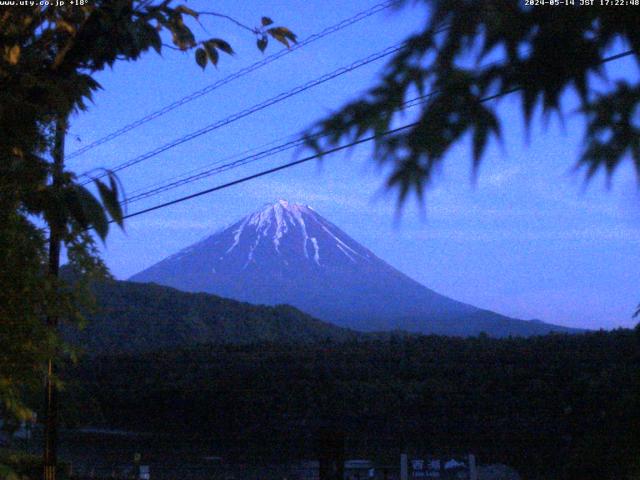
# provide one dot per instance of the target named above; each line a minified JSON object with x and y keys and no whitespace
{"x":328,"y":152}
{"x":207,"y":171}
{"x":282,"y":167}
{"x":234,"y":156}
{"x":265,"y":172}
{"x":239,"y":115}
{"x":240,"y":73}
{"x":256,"y":108}
{"x":222,"y":168}
{"x":181,"y":180}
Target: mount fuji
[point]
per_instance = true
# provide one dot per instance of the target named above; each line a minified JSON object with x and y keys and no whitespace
{"x":287,"y":253}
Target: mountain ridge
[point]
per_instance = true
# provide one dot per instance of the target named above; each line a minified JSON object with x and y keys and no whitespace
{"x":287,"y":253}
{"x":134,"y":317}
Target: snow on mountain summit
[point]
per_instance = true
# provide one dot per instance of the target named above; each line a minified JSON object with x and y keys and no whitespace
{"x":290,"y":231}
{"x":287,"y":253}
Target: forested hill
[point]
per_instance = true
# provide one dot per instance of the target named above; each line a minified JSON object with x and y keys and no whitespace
{"x":554,"y":407}
{"x":134,"y":317}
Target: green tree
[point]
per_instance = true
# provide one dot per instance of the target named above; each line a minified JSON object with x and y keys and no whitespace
{"x":471,"y":51}
{"x":48,"y":59}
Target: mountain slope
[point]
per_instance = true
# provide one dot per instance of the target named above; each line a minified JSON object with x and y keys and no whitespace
{"x":288,"y":253}
{"x":134,"y":317}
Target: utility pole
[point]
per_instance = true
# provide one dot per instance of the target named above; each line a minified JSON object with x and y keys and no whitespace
{"x":55,"y":237}
{"x":473,"y":469}
{"x":404,"y":466}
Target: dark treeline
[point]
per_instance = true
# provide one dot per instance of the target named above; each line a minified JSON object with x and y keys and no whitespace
{"x":558,"y":406}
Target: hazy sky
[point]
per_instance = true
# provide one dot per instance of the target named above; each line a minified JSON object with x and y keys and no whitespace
{"x":528,"y":239}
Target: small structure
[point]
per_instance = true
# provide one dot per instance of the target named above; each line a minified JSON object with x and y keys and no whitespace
{"x":144,"y":473}
{"x":447,"y":468}
{"x":359,"y":469}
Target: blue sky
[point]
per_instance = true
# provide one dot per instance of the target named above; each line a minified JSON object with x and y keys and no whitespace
{"x":528,"y":239}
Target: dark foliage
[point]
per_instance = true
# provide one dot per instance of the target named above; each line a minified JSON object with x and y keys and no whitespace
{"x":470,"y":52}
{"x":554,"y":407}
{"x":137,"y":317}
{"x":48,"y":58}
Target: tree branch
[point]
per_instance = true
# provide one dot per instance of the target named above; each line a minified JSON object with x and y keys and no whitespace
{"x":166,"y":45}
{"x":231,"y":19}
{"x":60,"y":56}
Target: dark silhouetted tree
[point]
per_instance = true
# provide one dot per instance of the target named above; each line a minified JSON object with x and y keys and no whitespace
{"x":471,"y":51}
{"x":49,"y":56}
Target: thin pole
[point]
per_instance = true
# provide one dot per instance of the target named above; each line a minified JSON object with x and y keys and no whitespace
{"x":51,"y":392}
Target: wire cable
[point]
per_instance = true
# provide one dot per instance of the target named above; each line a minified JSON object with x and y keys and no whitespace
{"x":240,"y":73}
{"x":183,"y":179}
{"x":219,"y":169}
{"x":263,"y":173}
{"x":235,"y":156}
{"x":327,"y":152}
{"x":256,"y":108}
